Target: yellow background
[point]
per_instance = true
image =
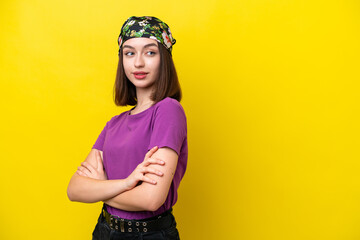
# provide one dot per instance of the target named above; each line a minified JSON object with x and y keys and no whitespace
{"x":271,"y":92}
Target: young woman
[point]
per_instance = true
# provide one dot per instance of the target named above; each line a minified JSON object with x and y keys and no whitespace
{"x":137,"y":162}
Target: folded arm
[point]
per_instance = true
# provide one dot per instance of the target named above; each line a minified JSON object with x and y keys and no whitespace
{"x":89,"y":190}
{"x":89,"y":184}
{"x":149,"y":197}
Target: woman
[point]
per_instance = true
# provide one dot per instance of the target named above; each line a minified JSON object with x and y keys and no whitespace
{"x":137,"y":162}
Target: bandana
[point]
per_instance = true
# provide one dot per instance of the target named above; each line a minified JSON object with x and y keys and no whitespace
{"x":149,"y":27}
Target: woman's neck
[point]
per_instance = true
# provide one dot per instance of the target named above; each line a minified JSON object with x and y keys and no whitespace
{"x":144,"y":101}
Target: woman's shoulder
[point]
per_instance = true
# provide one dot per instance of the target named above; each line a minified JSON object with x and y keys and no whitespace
{"x":117,"y":118}
{"x":169,"y":110}
{"x":170,"y":103}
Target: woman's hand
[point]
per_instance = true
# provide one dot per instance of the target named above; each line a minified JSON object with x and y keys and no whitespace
{"x":138,"y":175}
{"x":96,"y":172}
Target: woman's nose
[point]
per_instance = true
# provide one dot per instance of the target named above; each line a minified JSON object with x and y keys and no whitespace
{"x":139,"y":61}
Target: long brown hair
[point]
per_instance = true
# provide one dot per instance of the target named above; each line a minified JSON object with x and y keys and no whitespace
{"x":166,"y":86}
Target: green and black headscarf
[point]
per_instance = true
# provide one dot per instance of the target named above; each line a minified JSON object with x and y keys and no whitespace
{"x":149,"y":27}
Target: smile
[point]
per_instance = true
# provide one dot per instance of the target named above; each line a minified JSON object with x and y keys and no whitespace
{"x":140,"y":75}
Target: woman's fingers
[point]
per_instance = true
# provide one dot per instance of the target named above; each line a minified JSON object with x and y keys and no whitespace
{"x":151,"y":170}
{"x":151,"y":152}
{"x":81,"y":173}
{"x":147,"y":179}
{"x":149,"y":161}
{"x":156,"y":161}
{"x":84,"y":170}
{"x":88,"y":166}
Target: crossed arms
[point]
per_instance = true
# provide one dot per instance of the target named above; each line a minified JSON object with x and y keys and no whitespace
{"x":90,"y":184}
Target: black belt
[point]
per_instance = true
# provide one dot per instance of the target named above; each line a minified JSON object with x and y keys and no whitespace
{"x":157,"y":223}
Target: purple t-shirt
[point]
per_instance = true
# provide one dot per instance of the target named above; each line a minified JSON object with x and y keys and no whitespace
{"x":126,"y":139}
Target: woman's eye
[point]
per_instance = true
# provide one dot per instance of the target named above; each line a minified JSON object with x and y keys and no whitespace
{"x":129,"y":53}
{"x":151,"y":53}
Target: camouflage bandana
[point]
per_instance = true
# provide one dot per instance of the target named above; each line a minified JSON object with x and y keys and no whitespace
{"x":149,"y":27}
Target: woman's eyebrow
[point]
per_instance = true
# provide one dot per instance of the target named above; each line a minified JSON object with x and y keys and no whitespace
{"x":150,"y":45}
{"x":146,"y":46}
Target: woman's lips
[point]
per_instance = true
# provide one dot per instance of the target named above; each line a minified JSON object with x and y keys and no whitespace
{"x":140,"y":75}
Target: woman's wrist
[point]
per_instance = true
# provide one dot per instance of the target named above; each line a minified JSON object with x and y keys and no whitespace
{"x":125,"y":184}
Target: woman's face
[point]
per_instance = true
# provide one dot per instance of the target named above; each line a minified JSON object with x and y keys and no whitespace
{"x":141,"y":60}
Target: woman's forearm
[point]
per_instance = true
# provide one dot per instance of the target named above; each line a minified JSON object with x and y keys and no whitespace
{"x":89,"y":190}
{"x":139,"y":198}
{"x":149,"y":197}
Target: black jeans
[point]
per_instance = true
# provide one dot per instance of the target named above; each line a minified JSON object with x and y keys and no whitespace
{"x":103,"y":231}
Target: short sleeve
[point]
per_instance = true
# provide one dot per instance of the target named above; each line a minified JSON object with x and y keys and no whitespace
{"x":101,"y":139}
{"x":169,"y":126}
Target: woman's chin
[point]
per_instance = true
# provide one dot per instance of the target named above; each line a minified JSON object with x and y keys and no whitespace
{"x":143,"y":85}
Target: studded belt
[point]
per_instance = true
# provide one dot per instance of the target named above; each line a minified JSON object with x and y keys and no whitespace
{"x":157,"y":223}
